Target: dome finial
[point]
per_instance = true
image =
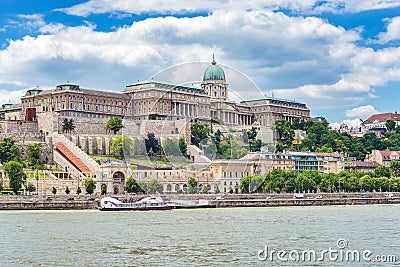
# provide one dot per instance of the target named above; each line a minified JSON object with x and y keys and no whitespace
{"x":213,"y":62}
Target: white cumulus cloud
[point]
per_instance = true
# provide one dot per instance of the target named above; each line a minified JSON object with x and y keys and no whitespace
{"x":392,"y":32}
{"x":361,"y":112}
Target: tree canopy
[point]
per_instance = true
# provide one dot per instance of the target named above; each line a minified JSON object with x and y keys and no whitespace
{"x":200,"y":131}
{"x":15,"y":172}
{"x":8,"y":150}
{"x":122,"y":147}
{"x":114,"y":124}
{"x":90,"y":185}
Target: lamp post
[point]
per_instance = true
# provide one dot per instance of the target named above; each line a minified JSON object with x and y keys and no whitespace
{"x":37,"y":183}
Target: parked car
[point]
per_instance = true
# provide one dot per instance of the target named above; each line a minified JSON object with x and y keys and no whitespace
{"x":70,"y":198}
{"x":48,"y":198}
{"x":270,"y":197}
{"x":389,"y":195}
{"x":91,"y":199}
{"x":298,"y":196}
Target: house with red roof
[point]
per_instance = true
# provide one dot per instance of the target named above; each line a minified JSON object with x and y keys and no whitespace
{"x":383,"y":157}
{"x":377,"y":122}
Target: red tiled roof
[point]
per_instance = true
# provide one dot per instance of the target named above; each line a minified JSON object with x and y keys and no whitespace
{"x":383,"y":117}
{"x":386,"y":154}
{"x":74,"y":160}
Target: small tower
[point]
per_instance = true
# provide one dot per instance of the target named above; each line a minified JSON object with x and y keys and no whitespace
{"x":214,"y":82}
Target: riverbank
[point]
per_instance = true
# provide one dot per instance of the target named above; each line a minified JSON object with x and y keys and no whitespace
{"x":186,"y":201}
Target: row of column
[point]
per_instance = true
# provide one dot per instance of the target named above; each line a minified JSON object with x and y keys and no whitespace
{"x":189,"y":110}
{"x":234,"y":118}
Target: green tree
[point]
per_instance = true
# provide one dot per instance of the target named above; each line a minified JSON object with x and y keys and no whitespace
{"x":216,"y":138}
{"x":15,"y":172}
{"x":34,"y":154}
{"x":131,"y":186}
{"x":395,"y":168}
{"x":382,"y":171}
{"x":67,"y":190}
{"x":90,"y":185}
{"x":252,"y":184}
{"x":192,"y":185}
{"x":54,"y":191}
{"x":103,"y":189}
{"x":285,"y":134}
{"x":390,"y":125}
{"x":171,"y":147}
{"x":152,"y":145}
{"x":30,"y":188}
{"x":68,"y":125}
{"x":1,"y":185}
{"x":114,"y":124}
{"x":199,"y":132}
{"x":122,"y":147}
{"x":217,"y":191}
{"x":155,"y":186}
{"x":78,"y":190}
{"x":9,"y":151}
{"x":182,"y":146}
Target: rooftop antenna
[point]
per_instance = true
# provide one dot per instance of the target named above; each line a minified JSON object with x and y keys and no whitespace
{"x":272,"y":93}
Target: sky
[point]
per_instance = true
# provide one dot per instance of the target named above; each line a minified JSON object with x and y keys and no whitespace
{"x":340,"y":57}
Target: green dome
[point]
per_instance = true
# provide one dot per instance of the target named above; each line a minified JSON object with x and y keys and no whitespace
{"x":214,"y":72}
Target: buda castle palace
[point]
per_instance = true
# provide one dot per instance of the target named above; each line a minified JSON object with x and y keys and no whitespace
{"x":158,"y":100}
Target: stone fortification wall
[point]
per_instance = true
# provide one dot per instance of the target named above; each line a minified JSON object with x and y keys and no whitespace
{"x":46,"y":156}
{"x":21,"y":131}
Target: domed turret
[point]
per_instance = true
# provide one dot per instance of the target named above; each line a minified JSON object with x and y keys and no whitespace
{"x":214,"y":72}
{"x":214,"y":82}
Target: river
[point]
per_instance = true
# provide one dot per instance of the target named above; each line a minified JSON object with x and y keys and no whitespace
{"x":201,"y":237}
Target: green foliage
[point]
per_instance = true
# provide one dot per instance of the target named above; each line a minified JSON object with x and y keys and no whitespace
{"x":68,"y":125}
{"x":103,"y":189}
{"x":67,"y":190}
{"x":153,"y":186}
{"x":382,"y":171}
{"x":30,"y":187}
{"x":285,"y":134}
{"x":78,"y":190}
{"x":34,"y":153}
{"x":252,"y":184}
{"x":122,"y":147}
{"x":151,"y":143}
{"x":395,"y":168}
{"x":192,"y":185}
{"x":171,"y":147}
{"x":15,"y":172}
{"x":199,"y":132}
{"x":114,"y":124}
{"x":90,"y":185}
{"x":216,"y":138}
{"x":217,"y":191}
{"x":390,"y":125}
{"x":205,"y":189}
{"x":182,"y":146}
{"x":54,"y":191}
{"x":232,"y":149}
{"x":9,"y":151}
{"x":131,"y":186}
{"x":1,"y":185}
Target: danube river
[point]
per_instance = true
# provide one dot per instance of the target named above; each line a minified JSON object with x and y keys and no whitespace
{"x":203,"y":237}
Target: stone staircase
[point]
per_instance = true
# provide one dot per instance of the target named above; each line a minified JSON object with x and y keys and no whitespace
{"x":78,"y":163}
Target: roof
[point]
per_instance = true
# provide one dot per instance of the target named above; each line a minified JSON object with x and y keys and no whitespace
{"x":214,"y":72}
{"x":168,"y":86}
{"x":273,"y":100}
{"x":88,"y":92}
{"x":251,"y":156}
{"x":367,"y":164}
{"x":386,"y":155}
{"x":383,"y":117}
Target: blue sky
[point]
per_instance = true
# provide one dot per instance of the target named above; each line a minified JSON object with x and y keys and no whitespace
{"x":342,"y":58}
